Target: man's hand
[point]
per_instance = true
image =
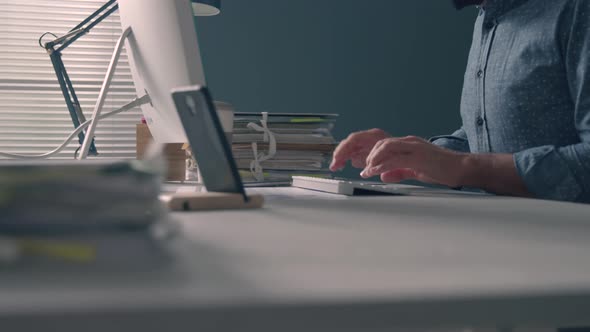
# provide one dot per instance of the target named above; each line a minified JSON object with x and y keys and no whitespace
{"x":405,"y":158}
{"x":356,"y":147}
{"x":412,"y":158}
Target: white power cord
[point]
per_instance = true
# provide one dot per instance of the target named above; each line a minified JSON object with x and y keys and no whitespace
{"x":134,"y":103}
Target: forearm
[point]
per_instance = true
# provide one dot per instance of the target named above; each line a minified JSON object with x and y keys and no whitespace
{"x":495,"y":173}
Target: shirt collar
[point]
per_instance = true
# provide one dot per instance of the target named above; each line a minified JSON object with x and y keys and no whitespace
{"x":497,"y":8}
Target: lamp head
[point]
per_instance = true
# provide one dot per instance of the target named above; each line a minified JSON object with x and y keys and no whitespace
{"x":206,"y":7}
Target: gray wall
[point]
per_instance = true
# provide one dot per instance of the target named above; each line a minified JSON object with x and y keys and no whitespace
{"x":393,"y":64}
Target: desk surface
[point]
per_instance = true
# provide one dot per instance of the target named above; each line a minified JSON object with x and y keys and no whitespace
{"x":335,"y":264}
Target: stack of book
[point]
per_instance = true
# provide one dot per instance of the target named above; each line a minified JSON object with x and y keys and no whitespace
{"x":91,"y":212}
{"x":273,"y":147}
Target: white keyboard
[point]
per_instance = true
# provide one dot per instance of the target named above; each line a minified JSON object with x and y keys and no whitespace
{"x":343,"y":187}
{"x":326,"y":185}
{"x":354,"y":188}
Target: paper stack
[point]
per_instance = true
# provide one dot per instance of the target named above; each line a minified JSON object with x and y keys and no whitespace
{"x":76,"y":194}
{"x":80,"y":211}
{"x":272,"y":147}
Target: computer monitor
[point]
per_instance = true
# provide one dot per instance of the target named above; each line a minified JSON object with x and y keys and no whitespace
{"x":164,"y":54}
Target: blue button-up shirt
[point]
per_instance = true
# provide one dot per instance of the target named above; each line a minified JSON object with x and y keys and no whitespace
{"x":527,"y":92}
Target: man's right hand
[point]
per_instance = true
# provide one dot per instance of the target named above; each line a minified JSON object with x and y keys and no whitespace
{"x":356,"y":148}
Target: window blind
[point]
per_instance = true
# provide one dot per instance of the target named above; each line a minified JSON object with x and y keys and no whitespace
{"x":34,"y":117}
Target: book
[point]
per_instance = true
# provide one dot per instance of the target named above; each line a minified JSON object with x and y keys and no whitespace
{"x":52,"y":195}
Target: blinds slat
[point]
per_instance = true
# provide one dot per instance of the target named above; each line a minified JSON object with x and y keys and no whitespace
{"x":33,"y":115}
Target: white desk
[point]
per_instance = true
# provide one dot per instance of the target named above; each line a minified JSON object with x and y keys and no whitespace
{"x":350,"y":264}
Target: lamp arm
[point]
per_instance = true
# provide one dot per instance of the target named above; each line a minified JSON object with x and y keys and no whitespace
{"x":80,"y":30}
{"x":54,"y":49}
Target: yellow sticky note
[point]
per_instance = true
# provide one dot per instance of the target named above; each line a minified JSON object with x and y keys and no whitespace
{"x":57,"y":249}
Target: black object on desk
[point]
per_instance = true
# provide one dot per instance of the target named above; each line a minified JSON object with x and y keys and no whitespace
{"x":212,"y":152}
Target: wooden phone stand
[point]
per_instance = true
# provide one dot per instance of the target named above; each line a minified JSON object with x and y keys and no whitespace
{"x":199,"y":201}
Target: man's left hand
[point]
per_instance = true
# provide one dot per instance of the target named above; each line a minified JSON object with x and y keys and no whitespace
{"x":405,"y":158}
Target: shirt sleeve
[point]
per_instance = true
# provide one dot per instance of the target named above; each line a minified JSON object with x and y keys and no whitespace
{"x":563,"y":173}
{"x":456,"y":141}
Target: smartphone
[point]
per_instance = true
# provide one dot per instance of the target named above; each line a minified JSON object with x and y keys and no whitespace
{"x":207,"y":140}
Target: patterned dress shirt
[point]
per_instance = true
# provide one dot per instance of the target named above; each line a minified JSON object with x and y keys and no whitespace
{"x":527,"y":92}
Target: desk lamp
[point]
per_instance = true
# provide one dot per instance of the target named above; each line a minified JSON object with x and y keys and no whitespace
{"x":55,"y":48}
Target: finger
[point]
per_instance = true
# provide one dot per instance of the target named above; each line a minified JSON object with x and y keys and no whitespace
{"x":400,"y":141}
{"x":359,"y":157}
{"x":414,"y":139}
{"x":358,"y":162}
{"x":376,"y":148}
{"x":359,"y":143}
{"x":399,"y":174}
{"x":388,"y":148}
{"x":344,"y":151}
{"x":393,"y":161}
{"x":337,"y":164}
{"x":347,"y":146}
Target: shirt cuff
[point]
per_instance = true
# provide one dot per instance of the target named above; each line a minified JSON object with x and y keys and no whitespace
{"x":546,"y":174}
{"x":450,"y":142}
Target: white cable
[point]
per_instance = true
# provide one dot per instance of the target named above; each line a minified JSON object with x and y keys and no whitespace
{"x":136,"y":102}
{"x":255,"y":166}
